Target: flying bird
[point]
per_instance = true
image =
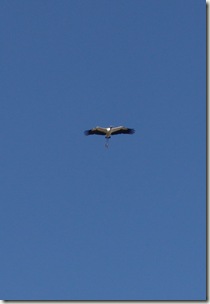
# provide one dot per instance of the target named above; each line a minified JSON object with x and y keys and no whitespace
{"x":108,"y":132}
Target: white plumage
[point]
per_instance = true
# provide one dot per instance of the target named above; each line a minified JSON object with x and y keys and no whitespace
{"x":108,"y":132}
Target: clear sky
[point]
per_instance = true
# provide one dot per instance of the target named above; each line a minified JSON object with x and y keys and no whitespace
{"x":79,"y":221}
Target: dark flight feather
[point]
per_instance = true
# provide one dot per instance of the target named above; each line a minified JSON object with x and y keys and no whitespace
{"x":124,"y":131}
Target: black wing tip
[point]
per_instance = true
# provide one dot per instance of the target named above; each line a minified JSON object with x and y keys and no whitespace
{"x":131,"y":131}
{"x":87,"y":132}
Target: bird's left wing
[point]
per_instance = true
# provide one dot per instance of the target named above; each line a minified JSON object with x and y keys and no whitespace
{"x":115,"y":129}
{"x":122,"y":130}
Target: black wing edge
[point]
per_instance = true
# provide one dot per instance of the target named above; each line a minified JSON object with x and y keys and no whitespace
{"x":126,"y":131}
{"x":92,"y":132}
{"x":130,"y":131}
{"x":88,"y":132}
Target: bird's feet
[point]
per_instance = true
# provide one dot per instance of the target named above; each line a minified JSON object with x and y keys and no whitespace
{"x":107,"y":143}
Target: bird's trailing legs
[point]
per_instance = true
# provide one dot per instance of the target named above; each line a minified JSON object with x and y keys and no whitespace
{"x":107,"y":142}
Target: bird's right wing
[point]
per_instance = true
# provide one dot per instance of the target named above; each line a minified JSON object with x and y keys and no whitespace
{"x":100,"y":129}
{"x":96,"y":131}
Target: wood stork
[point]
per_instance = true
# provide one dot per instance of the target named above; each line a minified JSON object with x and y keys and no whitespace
{"x":108,"y":132}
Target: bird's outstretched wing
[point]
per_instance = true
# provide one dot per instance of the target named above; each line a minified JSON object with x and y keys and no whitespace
{"x":96,"y":131}
{"x":122,"y":130}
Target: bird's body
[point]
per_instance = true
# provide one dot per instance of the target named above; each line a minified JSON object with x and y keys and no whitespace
{"x":108,"y":132}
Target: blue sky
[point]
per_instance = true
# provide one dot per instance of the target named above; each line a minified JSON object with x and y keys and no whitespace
{"x":79,"y":221}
